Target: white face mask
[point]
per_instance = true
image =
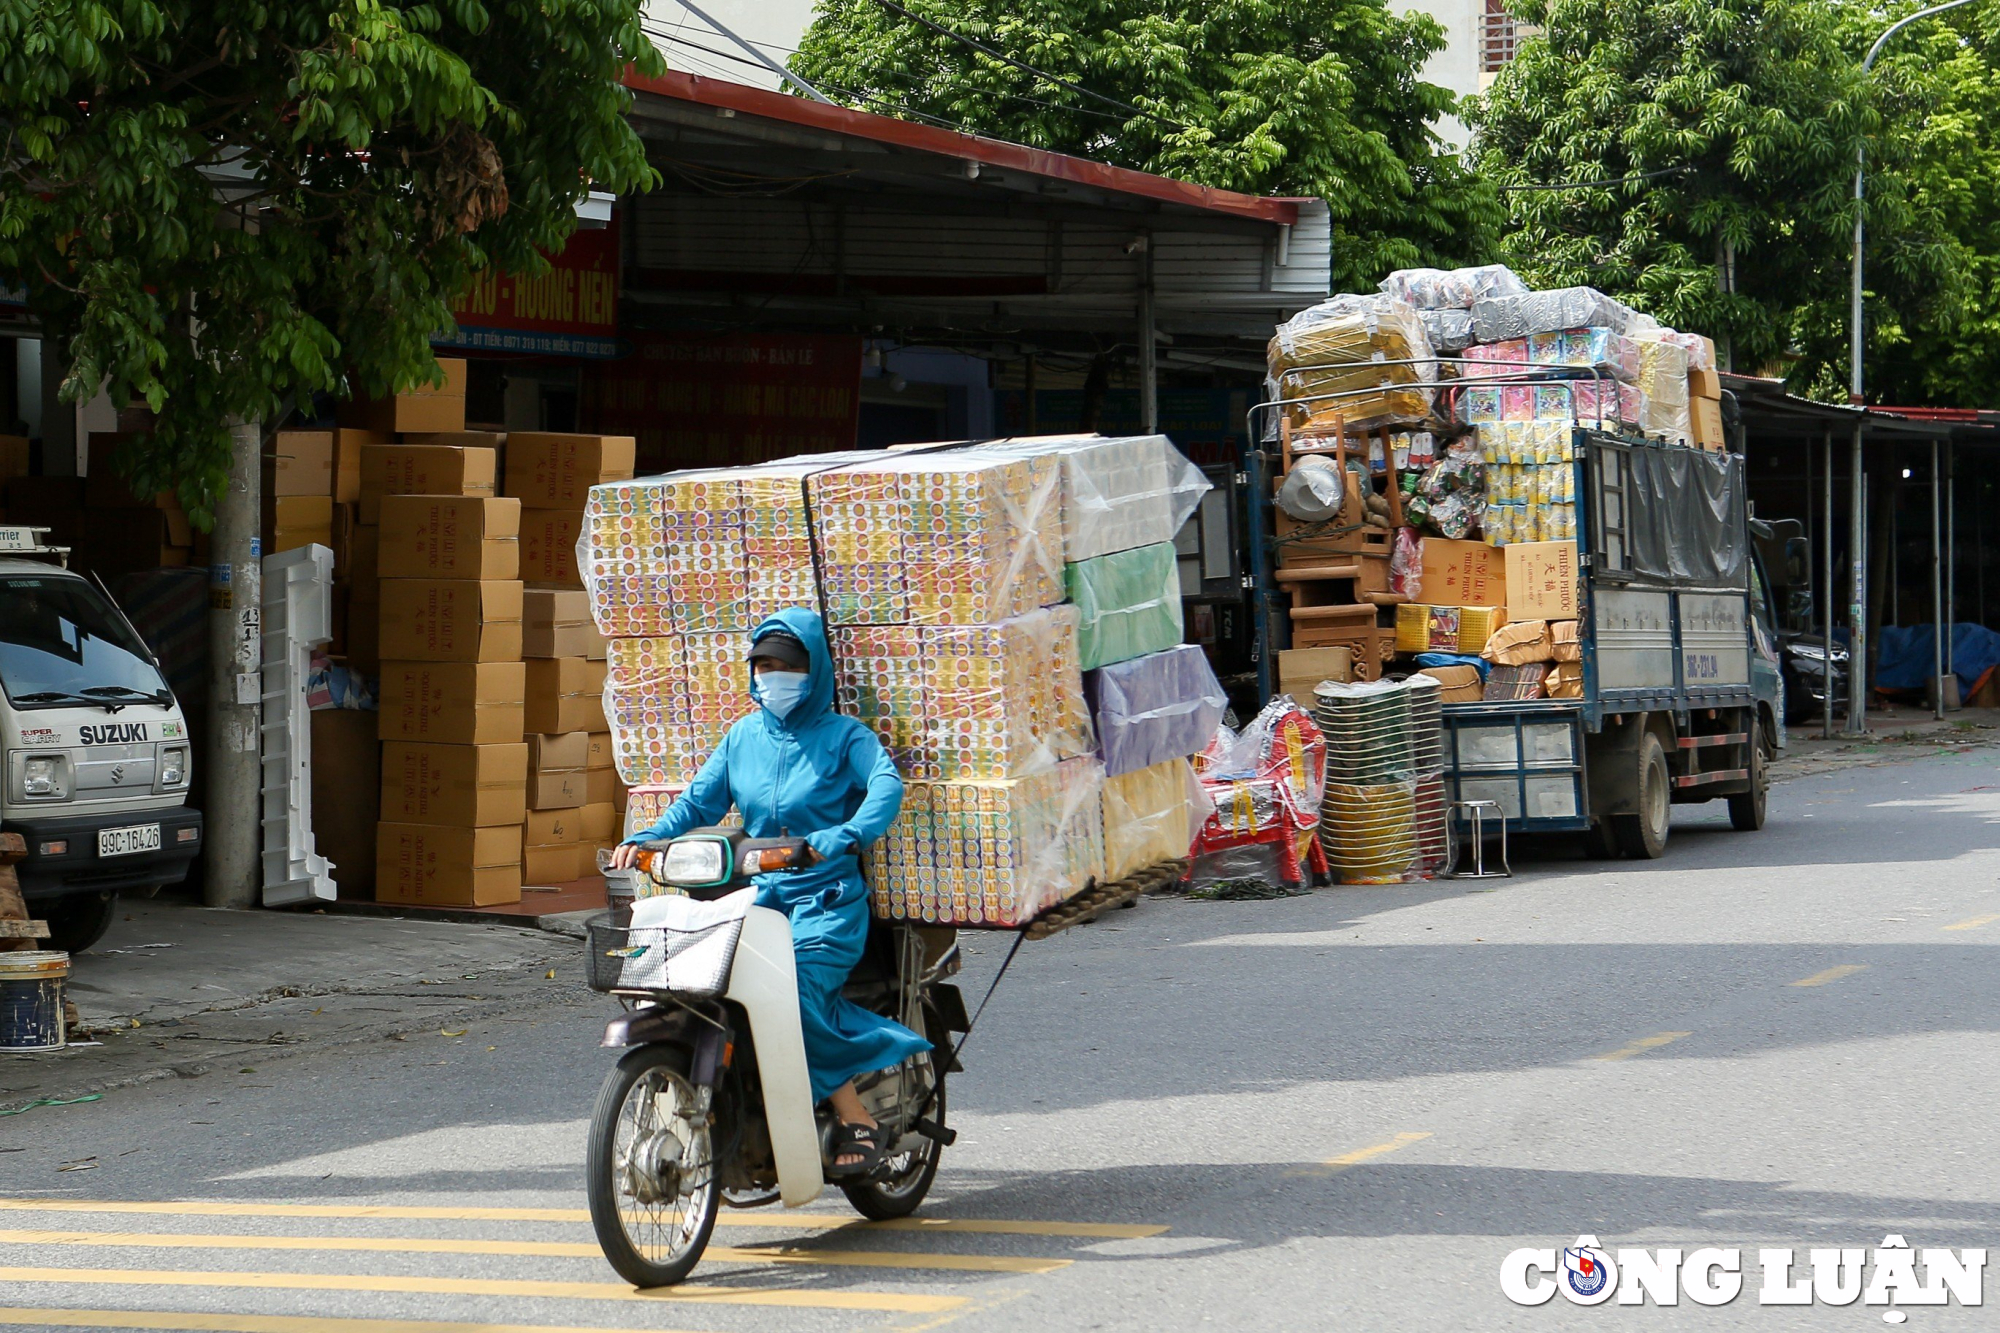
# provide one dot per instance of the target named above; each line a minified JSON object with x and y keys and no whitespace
{"x":780,"y":691}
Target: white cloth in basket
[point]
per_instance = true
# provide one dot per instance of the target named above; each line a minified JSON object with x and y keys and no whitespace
{"x":684,"y":945}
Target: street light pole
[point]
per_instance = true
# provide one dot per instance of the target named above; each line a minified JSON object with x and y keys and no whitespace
{"x":1857,"y":629}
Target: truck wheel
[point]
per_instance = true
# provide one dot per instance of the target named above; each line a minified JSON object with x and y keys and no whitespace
{"x":79,"y":920}
{"x":1600,"y":841}
{"x":1746,"y":810}
{"x":1644,"y":835}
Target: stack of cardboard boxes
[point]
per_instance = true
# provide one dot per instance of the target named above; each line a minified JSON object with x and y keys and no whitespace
{"x":573,"y":796}
{"x":1705,"y":399}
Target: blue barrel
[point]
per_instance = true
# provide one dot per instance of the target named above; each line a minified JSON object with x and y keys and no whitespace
{"x":31,"y":1001}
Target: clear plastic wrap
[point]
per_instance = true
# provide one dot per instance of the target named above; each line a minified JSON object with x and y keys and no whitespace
{"x":1313,"y":491}
{"x":991,"y":854}
{"x":1118,"y":492}
{"x":1153,"y":708}
{"x":645,"y":805}
{"x":1700,"y":351}
{"x":1452,"y":289}
{"x":954,"y":538}
{"x":968,"y":702}
{"x":1406,"y":564}
{"x":1451,"y":495}
{"x":1151,"y":815}
{"x":1130,"y":602}
{"x":1499,"y":318}
{"x":669,"y":699}
{"x":1346,"y":346}
{"x":1663,"y":373}
{"x":1284,"y":744}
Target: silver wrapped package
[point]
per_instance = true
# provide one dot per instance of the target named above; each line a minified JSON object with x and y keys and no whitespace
{"x":1505,"y":317}
{"x":1452,"y":289}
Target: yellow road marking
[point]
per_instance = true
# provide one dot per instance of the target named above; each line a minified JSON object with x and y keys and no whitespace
{"x":890,"y":1302}
{"x":1976,"y":922}
{"x":549,"y":1249}
{"x":771,"y":1221}
{"x":1831,"y":974}
{"x":265,"y":1323}
{"x":1641,"y":1046}
{"x":1360,"y":1155}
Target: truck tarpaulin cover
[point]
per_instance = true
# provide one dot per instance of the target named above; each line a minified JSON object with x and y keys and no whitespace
{"x":1686,"y":518}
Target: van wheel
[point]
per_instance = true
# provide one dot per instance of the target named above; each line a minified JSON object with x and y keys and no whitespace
{"x":79,"y":920}
{"x":1644,"y":835}
{"x":1746,"y":809}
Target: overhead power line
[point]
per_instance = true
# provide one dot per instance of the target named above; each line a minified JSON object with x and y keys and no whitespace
{"x":1023,"y":66}
{"x":1586,"y":185}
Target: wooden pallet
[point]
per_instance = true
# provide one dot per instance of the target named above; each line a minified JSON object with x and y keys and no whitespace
{"x":17,"y":931}
{"x":1098,"y":899}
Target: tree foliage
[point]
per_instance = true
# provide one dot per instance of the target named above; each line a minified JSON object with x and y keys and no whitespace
{"x":1740,"y":120}
{"x":219,"y":206}
{"x":1309,"y":97}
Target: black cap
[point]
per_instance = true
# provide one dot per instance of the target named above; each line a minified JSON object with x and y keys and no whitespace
{"x":782,"y":648}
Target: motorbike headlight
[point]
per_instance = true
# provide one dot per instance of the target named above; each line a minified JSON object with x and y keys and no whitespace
{"x":45,"y":777}
{"x":693,"y":863}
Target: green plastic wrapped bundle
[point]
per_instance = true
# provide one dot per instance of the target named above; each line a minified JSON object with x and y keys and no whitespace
{"x":1131,"y":603}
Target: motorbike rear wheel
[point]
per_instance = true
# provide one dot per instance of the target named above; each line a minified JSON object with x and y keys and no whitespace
{"x":901,"y":1190}
{"x":650,"y":1169}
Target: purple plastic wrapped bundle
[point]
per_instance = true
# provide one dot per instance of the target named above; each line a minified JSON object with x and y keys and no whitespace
{"x":1154,"y":708}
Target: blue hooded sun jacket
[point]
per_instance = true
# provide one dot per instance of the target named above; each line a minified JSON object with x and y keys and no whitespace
{"x":825,"y":778}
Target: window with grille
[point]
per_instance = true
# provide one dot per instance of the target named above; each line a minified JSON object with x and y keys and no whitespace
{"x":1497,"y":36}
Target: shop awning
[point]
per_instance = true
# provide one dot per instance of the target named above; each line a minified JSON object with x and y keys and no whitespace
{"x":790,"y":210}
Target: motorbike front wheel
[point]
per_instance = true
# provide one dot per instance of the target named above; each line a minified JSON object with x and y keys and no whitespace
{"x":907,"y":1178}
{"x":650,"y":1169}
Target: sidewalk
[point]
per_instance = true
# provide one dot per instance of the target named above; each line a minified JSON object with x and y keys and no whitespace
{"x":176,"y":989}
{"x":1895,"y":735}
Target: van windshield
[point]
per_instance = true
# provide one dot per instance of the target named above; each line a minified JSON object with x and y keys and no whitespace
{"x":62,"y":645}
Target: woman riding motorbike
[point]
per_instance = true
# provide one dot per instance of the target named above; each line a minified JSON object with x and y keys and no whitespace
{"x":796,"y":768}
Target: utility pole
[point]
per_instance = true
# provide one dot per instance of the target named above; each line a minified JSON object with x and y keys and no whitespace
{"x":233,"y":809}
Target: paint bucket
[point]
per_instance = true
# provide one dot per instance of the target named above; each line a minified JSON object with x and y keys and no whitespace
{"x":31,"y":1001}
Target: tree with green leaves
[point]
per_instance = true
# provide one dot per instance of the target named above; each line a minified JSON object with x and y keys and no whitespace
{"x":1310,"y":97}
{"x":219,"y":207}
{"x":1705,"y":152}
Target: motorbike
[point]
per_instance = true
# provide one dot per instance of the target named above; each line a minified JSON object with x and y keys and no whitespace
{"x":710,"y":1105}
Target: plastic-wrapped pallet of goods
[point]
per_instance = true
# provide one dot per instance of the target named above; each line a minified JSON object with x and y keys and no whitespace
{"x":1371,"y":351}
{"x":1118,"y":492}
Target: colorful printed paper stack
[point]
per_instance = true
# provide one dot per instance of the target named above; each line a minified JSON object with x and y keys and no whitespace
{"x":670,"y":699}
{"x":625,"y":560}
{"x":1152,"y":814}
{"x":991,"y":853}
{"x":1530,"y":482}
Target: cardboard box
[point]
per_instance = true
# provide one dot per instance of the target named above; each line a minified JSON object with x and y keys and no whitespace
{"x":1565,"y":640}
{"x":346,"y":520}
{"x":300,"y":463}
{"x":452,"y":703}
{"x":1519,"y":643}
{"x":1564,"y":681}
{"x":561,"y":749}
{"x":346,"y":795}
{"x":1542,"y":579}
{"x":556,"y":863}
{"x":1457,"y":684}
{"x":554,"y":623}
{"x":595,"y":646}
{"x":347,"y":446}
{"x":1510,"y":684}
{"x":423,"y":469}
{"x":556,"y":789}
{"x":450,"y":536}
{"x":452,"y":620}
{"x":418,"y":410}
{"x":548,"y":547}
{"x":460,"y":439}
{"x":364,"y":626}
{"x":1300,"y":669}
{"x":14,"y":457}
{"x":543,"y":828}
{"x":461,"y":786}
{"x":291,"y":521}
{"x":104,"y":485}
{"x":598,"y":751}
{"x":364,"y":551}
{"x":1704,"y":383}
{"x":1705,"y":419}
{"x":599,"y":820}
{"x":599,"y":785}
{"x":447,"y":867}
{"x":554,"y":471}
{"x":1457,"y":573}
{"x":565,"y":694}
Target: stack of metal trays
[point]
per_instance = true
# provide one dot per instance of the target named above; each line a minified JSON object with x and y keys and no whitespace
{"x":1427,"y":760}
{"x":1368,"y":818}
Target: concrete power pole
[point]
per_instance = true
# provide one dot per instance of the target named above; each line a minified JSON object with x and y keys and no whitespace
{"x":234,"y":810}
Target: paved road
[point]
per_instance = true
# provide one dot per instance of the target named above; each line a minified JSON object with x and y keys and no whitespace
{"x":1338,"y":1111}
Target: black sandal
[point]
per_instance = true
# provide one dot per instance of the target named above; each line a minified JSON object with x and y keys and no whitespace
{"x":871,"y":1141}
